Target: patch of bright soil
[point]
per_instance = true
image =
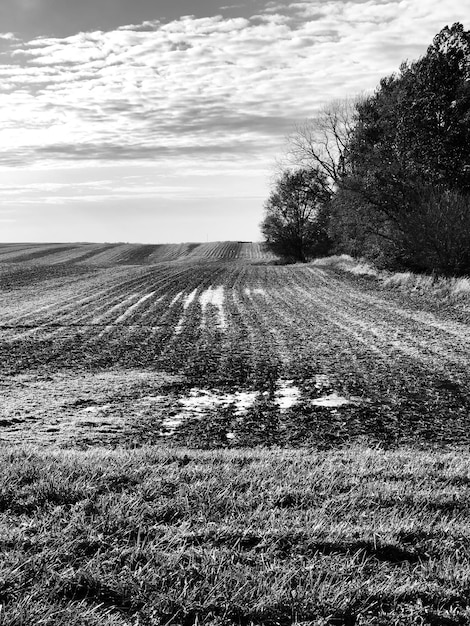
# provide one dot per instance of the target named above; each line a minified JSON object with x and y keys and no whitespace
{"x":83,"y":408}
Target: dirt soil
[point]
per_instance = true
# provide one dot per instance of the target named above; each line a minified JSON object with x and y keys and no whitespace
{"x":110,"y":355}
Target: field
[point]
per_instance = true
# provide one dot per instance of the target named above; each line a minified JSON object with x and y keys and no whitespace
{"x":224,"y":352}
{"x":195,"y":435}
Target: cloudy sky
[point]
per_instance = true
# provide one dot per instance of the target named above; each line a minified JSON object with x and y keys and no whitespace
{"x":160,"y":120}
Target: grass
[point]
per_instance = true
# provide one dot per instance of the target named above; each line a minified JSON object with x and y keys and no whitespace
{"x":438,"y":286}
{"x":154,"y":536}
{"x":358,"y":267}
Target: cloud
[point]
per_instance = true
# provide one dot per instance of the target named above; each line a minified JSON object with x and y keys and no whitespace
{"x":9,"y":36}
{"x":209,"y":89}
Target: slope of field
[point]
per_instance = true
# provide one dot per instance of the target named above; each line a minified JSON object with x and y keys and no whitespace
{"x":218,"y":353}
{"x":130,"y":254}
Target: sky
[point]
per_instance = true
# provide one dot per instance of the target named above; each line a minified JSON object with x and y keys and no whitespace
{"x":160,"y":121}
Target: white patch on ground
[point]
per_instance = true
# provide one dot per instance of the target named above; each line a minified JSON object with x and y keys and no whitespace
{"x":257,"y":290}
{"x":170,"y":424}
{"x":133,"y":307}
{"x":187,"y":301}
{"x":332,"y":401}
{"x":176,"y":298}
{"x":200,"y":401}
{"x":214,"y":296}
{"x":243,"y":400}
{"x":189,"y":298}
{"x":287,"y":394}
{"x":96,"y":409}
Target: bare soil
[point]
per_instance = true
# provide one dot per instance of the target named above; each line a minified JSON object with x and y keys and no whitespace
{"x":109,"y":355}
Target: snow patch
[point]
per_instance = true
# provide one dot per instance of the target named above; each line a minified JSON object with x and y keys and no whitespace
{"x":96,"y":408}
{"x":187,"y":301}
{"x":176,"y":298}
{"x":287,"y":394}
{"x":171,"y":423}
{"x":199,"y":401}
{"x":332,"y":401}
{"x":189,"y":298}
{"x":214,"y":296}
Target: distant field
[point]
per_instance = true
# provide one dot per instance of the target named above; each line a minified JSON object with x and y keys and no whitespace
{"x":130,"y":254}
{"x":218,"y":348}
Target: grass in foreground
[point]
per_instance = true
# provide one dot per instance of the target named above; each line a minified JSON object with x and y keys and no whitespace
{"x":146,"y":537}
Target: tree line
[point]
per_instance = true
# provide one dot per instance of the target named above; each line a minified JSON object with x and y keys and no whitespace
{"x":384,"y":176}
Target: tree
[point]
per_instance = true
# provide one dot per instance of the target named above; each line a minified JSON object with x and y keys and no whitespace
{"x":322,"y":141}
{"x":358,"y":229}
{"x":417,"y":124}
{"x":408,"y":156}
{"x":397,"y":163}
{"x":437,"y":234}
{"x":295,"y":224}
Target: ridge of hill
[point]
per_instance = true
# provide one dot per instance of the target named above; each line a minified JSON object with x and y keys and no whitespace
{"x":130,"y":253}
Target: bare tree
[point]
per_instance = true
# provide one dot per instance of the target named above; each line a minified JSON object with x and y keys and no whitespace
{"x":321,"y":142}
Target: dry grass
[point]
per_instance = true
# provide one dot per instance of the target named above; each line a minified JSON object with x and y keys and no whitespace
{"x":355,"y":536}
{"x":441,"y":287}
{"x":358,"y":267}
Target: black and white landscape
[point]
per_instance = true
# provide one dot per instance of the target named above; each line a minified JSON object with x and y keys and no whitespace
{"x":234,"y":313}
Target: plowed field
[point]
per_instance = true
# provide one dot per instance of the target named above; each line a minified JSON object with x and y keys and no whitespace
{"x":130,"y":254}
{"x":211,"y":352}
